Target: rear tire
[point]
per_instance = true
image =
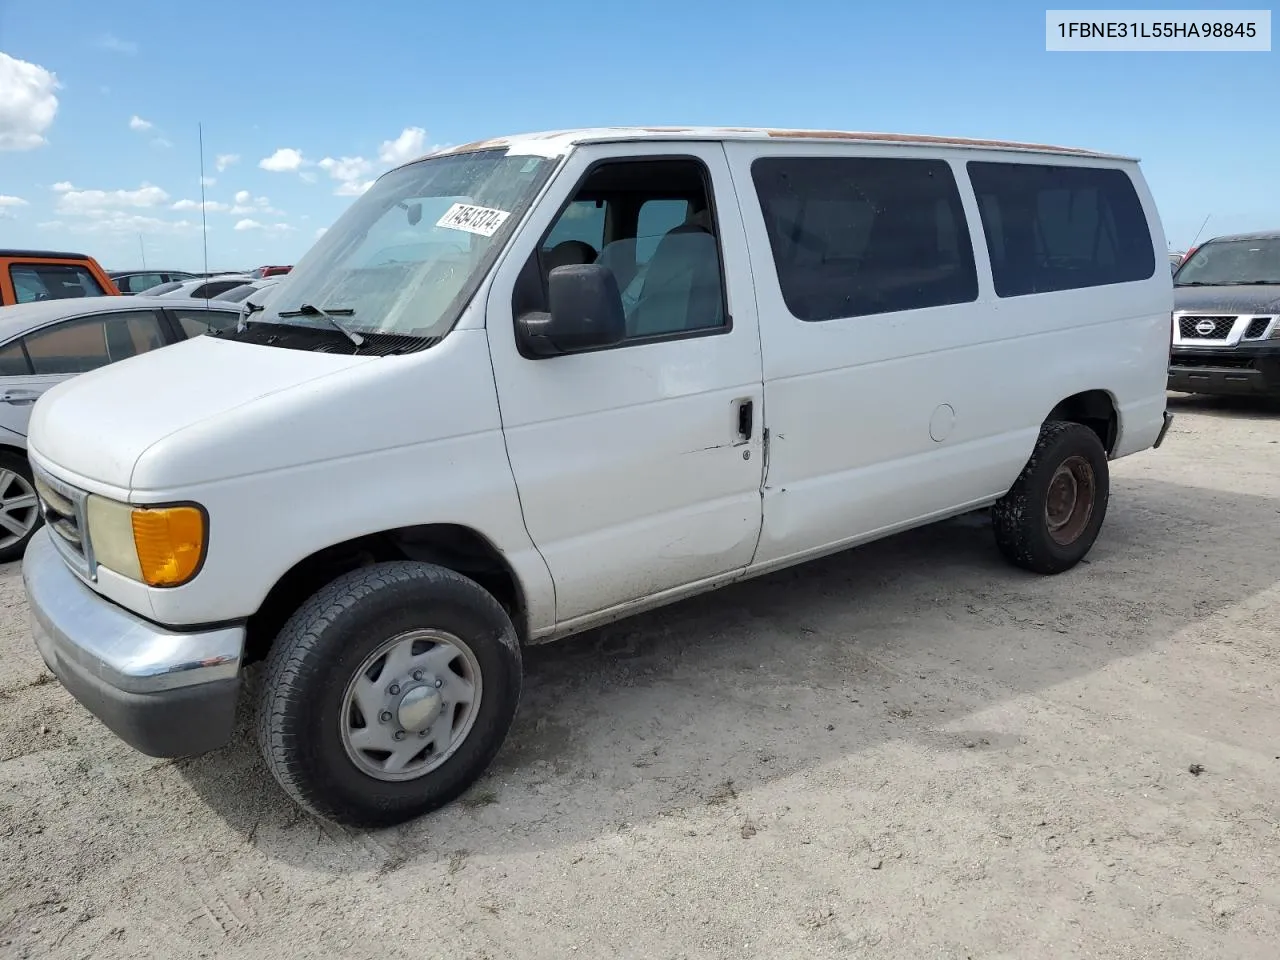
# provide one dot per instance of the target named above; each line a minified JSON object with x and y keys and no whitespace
{"x":18,"y":503}
{"x":1050,"y":518}
{"x":382,"y":662}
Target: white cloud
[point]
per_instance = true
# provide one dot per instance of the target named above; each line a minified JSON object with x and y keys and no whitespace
{"x":137,"y":123}
{"x":7,"y":201}
{"x":247,"y":203}
{"x":320,"y":232}
{"x":284,"y":160}
{"x":350,"y":173}
{"x":161,"y":142}
{"x":208,"y":181}
{"x":117,"y":221}
{"x":243,"y":225}
{"x":345,"y":168}
{"x":210,"y":206}
{"x":109,"y":41}
{"x":224,"y":160}
{"x":62,"y":186}
{"x":408,"y":146}
{"x":95,"y":203}
{"x":353,"y":188}
{"x":308,"y":177}
{"x":27,"y":103}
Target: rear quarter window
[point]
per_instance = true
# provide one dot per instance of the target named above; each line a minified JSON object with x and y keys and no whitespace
{"x":1050,"y":227}
{"x":857,"y":236}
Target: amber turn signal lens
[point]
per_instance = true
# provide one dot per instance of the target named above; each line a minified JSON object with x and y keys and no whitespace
{"x":170,"y":544}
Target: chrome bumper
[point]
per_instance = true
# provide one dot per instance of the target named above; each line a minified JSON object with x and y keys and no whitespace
{"x":167,"y":693}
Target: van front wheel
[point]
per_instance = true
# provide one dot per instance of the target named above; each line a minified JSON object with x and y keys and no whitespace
{"x":388,"y":693}
{"x":1050,"y":518}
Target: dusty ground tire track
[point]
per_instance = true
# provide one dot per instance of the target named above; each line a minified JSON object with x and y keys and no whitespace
{"x":937,"y":756}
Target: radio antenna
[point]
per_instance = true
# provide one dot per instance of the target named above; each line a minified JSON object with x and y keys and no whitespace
{"x":204,"y":225}
{"x":1201,"y":230}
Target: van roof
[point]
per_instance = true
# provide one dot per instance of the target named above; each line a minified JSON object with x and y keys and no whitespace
{"x":556,"y":142}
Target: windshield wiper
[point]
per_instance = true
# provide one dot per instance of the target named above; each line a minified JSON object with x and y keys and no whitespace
{"x":311,"y":310}
{"x":1196,"y":283}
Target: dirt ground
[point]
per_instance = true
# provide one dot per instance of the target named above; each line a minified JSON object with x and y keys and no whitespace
{"x":906,"y":751}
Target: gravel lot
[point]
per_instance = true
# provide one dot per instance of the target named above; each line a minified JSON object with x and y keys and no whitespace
{"x":909,"y":750}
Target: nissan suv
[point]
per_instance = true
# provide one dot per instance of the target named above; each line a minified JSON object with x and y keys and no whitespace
{"x":1226,"y":318}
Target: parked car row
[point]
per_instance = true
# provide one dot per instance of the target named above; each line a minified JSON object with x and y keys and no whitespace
{"x":31,"y":275}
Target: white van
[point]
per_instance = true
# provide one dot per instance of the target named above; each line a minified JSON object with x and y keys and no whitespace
{"x":533,"y":384}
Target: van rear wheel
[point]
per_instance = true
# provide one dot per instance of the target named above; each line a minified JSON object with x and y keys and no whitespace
{"x":1050,"y":518}
{"x":388,"y":693}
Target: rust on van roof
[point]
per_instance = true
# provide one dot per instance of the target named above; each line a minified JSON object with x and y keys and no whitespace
{"x":926,"y":138}
{"x":554,"y":142}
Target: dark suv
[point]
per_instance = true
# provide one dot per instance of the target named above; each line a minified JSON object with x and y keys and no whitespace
{"x":1226,"y":318}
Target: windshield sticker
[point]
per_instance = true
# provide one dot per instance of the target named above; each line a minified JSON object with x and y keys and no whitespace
{"x":482,"y":220}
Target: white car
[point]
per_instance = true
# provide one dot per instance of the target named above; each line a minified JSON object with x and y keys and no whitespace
{"x":199,"y":288}
{"x":46,"y":342}
{"x":248,"y":289}
{"x":535,"y":384}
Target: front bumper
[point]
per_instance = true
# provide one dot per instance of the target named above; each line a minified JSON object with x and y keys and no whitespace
{"x":166,"y":693}
{"x":1248,"y":369}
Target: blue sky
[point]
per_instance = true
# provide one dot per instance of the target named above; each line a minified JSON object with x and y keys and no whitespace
{"x":352,"y":89}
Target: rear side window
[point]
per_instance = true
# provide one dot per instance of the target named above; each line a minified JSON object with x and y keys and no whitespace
{"x":52,"y":281}
{"x":211,"y":289}
{"x":857,"y":236}
{"x":86,"y":343}
{"x":13,"y":361}
{"x":139,"y":282}
{"x":1051,"y":227}
{"x":197,"y":322}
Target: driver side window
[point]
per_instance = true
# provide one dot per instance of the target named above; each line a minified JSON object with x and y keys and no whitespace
{"x":651,"y":223}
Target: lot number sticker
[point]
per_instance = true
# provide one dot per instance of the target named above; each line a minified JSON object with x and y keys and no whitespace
{"x":482,"y":220}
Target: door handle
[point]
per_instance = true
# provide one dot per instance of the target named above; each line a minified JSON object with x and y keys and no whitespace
{"x":20,"y":396}
{"x":746,"y":418}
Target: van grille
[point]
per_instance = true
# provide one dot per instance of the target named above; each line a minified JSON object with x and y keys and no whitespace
{"x":1187,"y":327}
{"x":63,"y":508}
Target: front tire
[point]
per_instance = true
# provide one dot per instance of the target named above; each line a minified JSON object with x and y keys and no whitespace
{"x":388,"y":693}
{"x":1050,"y":518}
{"x":19,"y":509}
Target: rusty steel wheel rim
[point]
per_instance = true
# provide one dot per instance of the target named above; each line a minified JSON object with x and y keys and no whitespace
{"x":1069,"y":504}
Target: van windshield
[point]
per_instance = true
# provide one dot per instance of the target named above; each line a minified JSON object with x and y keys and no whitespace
{"x":408,"y":255}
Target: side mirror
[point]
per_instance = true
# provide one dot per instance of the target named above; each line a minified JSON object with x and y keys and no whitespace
{"x":586,"y":312}
{"x":414,"y":214}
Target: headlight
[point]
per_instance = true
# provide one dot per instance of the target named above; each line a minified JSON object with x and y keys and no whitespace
{"x":159,"y":546}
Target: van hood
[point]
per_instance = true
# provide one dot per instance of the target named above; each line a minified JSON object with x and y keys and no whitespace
{"x":99,"y":424}
{"x":1261,"y":298}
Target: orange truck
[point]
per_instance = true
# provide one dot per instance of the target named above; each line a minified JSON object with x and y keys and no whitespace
{"x":29,"y":275}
